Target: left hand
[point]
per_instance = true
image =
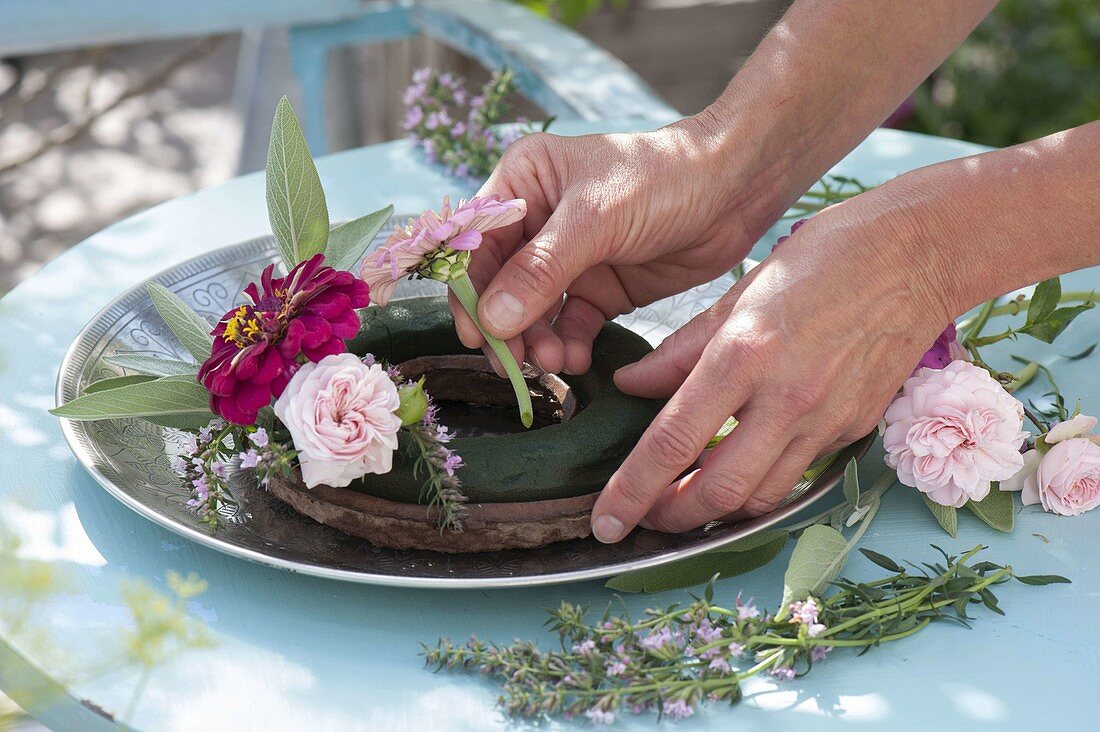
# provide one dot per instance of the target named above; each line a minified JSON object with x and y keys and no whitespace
{"x":806,"y":351}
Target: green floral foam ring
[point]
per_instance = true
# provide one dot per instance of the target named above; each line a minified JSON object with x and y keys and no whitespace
{"x":563,"y":460}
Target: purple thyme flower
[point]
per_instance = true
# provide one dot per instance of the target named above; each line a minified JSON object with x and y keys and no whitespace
{"x":201,"y":488}
{"x":190,"y":444}
{"x":720,"y":665}
{"x":250,"y":459}
{"x":600,"y":716}
{"x":259,"y":438}
{"x":783,"y":673}
{"x":735,"y":649}
{"x":617,"y":667}
{"x":678,"y":709}
{"x":219,"y":469}
{"x":746,"y":611}
{"x":452,"y":462}
{"x":657,"y":639}
{"x":585,"y":648}
{"x":413,"y":117}
{"x":368,"y":360}
{"x":178,"y":465}
{"x":818,"y":653}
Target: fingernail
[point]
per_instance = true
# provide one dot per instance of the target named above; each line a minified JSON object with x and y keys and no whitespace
{"x":645,"y":524}
{"x":607,"y":529}
{"x":504,"y":311}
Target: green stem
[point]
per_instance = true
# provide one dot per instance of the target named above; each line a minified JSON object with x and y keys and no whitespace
{"x":1017,"y":306}
{"x":467,"y":295}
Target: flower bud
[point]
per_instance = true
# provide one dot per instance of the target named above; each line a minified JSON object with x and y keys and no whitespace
{"x":414,"y":403}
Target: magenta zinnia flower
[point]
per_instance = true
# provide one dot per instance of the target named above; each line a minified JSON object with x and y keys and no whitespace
{"x":435,"y":245}
{"x":257,"y":345}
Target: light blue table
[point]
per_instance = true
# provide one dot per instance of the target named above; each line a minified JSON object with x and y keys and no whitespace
{"x":298,"y":653}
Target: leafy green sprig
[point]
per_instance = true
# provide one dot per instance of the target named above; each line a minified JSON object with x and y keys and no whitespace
{"x":674,"y":659}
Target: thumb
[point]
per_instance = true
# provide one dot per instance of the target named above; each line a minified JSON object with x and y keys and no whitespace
{"x":536,"y":276}
{"x":661,"y":372}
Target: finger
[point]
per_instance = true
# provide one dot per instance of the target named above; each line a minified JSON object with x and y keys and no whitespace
{"x":577,"y":325}
{"x":544,"y":346}
{"x":661,"y":372}
{"x":784,"y":475}
{"x":729,"y":475}
{"x":671,"y":444}
{"x":537,"y":275}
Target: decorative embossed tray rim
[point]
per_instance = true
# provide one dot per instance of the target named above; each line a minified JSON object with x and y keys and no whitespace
{"x":554,"y":564}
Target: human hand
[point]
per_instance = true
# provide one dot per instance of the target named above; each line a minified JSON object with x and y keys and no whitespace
{"x":614,"y":222}
{"x":806,"y":351}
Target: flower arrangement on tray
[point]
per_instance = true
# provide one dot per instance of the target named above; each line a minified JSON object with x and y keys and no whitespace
{"x":275,"y":389}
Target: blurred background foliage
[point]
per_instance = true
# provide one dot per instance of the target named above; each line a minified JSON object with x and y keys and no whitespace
{"x":1031,"y":69}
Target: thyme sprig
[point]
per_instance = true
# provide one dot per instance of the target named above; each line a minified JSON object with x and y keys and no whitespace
{"x":676,"y":658}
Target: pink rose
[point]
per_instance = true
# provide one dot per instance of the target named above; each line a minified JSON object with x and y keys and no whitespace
{"x":952,"y":432}
{"x":340,"y":413}
{"x":1066,"y":480}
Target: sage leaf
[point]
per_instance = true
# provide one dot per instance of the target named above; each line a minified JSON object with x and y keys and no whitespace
{"x":192,"y":331}
{"x":998,"y":509}
{"x":169,"y":395}
{"x":295,"y":201}
{"x":816,"y":561}
{"x":945,"y":515}
{"x":851,"y":482}
{"x":115,"y":382}
{"x":1042,"y":579}
{"x":348,"y":241}
{"x":883,"y":561}
{"x":1044,"y":300}
{"x":734,"y":559}
{"x":188,"y":422}
{"x":152,"y":365}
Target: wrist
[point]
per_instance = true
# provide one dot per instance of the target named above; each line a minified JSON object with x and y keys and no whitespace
{"x":747,"y":176}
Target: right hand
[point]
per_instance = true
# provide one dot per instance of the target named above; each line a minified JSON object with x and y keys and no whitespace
{"x":614,"y":222}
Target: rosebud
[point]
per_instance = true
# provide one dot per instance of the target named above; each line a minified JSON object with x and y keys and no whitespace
{"x":414,"y":403}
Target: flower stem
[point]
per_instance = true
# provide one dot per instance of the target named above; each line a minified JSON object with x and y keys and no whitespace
{"x":467,"y":295}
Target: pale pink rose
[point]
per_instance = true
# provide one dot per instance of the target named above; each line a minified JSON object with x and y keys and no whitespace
{"x":1067,"y":481}
{"x":952,"y":432}
{"x":1080,"y":425}
{"x":457,"y":230}
{"x":340,"y":413}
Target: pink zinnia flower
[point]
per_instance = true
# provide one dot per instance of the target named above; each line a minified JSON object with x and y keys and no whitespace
{"x":256,"y":346}
{"x":435,"y":239}
{"x":952,"y":432}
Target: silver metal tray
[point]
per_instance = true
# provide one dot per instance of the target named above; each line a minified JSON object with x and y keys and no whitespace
{"x":130,"y":458}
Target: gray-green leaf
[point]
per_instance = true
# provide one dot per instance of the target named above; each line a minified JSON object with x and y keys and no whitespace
{"x":114,"y":382}
{"x":945,"y":515}
{"x":295,"y":201}
{"x":348,"y":241}
{"x":816,"y":561}
{"x":731,"y":560}
{"x":997,"y":509}
{"x":152,"y":365}
{"x":851,"y":482}
{"x":170,"y":395}
{"x":193,"y":331}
